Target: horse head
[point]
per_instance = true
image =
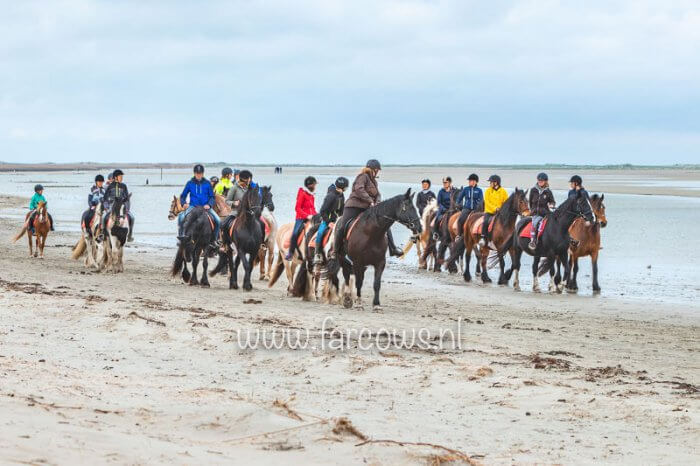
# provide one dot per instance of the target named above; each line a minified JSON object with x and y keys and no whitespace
{"x":175,"y":208}
{"x":250,"y":204}
{"x":407,"y":215}
{"x":599,"y":209}
{"x":267,"y":198}
{"x":583,"y":207}
{"x":520,"y":202}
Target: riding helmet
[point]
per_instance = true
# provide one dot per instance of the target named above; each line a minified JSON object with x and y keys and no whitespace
{"x":117,"y":173}
{"x":447,"y":179}
{"x":38,"y":188}
{"x":373,"y":164}
{"x":495,"y":179}
{"x":110,"y":176}
{"x":245,"y":175}
{"x":576,"y":179}
{"x":341,"y":182}
{"x":226,"y":171}
{"x":309,"y":181}
{"x":99,"y":178}
{"x":474,"y":177}
{"x":542,"y":177}
{"x":236,"y":171}
{"x":426,"y":181}
{"x":199,"y":168}
{"x":214,"y":179}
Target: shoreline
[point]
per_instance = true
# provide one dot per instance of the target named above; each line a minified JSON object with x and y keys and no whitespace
{"x":143,"y":368}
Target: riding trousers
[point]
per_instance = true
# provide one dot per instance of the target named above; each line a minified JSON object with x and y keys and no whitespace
{"x":212,"y":215}
{"x":321,"y":231}
{"x":462,"y":218}
{"x":536,"y":219}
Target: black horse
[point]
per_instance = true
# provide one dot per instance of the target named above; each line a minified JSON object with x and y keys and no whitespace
{"x":242,"y":235}
{"x":198,"y":234}
{"x":554,"y":242}
{"x":367,"y":244}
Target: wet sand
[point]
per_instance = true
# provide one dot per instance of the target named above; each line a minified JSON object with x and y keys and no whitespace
{"x":139,"y":367}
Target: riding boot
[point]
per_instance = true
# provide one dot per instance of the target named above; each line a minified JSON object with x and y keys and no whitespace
{"x":51,"y":222}
{"x":393,"y":250}
{"x":436,"y":230}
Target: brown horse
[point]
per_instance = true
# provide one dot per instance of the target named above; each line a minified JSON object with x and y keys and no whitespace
{"x":500,"y":236}
{"x":423,"y":246}
{"x":41,"y":225}
{"x":587,"y":243}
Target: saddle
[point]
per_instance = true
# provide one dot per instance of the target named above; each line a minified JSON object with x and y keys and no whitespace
{"x":326,"y":236}
{"x":351,"y":227}
{"x":526,"y":232}
{"x":267,"y":226}
{"x":476,"y":228}
{"x":287,"y":238}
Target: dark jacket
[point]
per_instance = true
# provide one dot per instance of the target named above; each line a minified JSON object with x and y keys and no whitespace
{"x":95,"y":196}
{"x":444,"y":200}
{"x":422,"y":200}
{"x":572,"y":193}
{"x":365,"y":191}
{"x":200,"y":193}
{"x":540,"y":199}
{"x":471,"y":198}
{"x":116,"y":191}
{"x":333,"y":205}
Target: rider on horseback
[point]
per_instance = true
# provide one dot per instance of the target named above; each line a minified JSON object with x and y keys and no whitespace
{"x":365,"y":193}
{"x":33,"y":204}
{"x":305,"y":210}
{"x":224,"y":185}
{"x":494,"y":197}
{"x":332,"y":208}
{"x":424,"y":196}
{"x":444,"y":200}
{"x":97,"y":193}
{"x":541,"y":202}
{"x":237,"y":191}
{"x":201,"y":194}
{"x":576,"y":184}
{"x":118,"y":191}
{"x":471,"y":198}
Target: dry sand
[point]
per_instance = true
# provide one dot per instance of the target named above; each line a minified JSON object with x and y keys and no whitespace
{"x":139,"y":368}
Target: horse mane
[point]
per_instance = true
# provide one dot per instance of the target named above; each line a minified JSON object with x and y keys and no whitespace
{"x":564,"y":207}
{"x":508,"y":209}
{"x":384,"y":208}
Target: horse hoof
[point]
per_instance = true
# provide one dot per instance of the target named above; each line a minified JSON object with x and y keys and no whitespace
{"x":248,"y":287}
{"x":233,"y":286}
{"x":192,"y":282}
{"x":571,"y":290}
{"x":204,"y":285}
{"x":516,"y":288}
{"x":377,"y":308}
{"x":347,"y":302}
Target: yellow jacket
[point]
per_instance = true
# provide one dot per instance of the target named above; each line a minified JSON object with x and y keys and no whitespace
{"x":494,"y":199}
{"x":224,"y":183}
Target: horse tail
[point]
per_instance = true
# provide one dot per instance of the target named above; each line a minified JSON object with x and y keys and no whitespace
{"x":300,"y":281}
{"x":79,"y":249}
{"x":179,"y":261}
{"x":544,"y":267}
{"x":20,"y":234}
{"x":223,"y":263}
{"x":279,"y":267}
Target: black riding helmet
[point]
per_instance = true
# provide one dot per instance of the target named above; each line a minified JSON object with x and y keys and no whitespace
{"x":38,"y":188}
{"x":576,"y":179}
{"x":245,"y":175}
{"x":374,"y":164}
{"x":110,"y":176}
{"x":99,"y":178}
{"x":214,"y":179}
{"x":341,"y":182}
{"x":426,"y":181}
{"x":447,"y":179}
{"x":309,"y":181}
{"x":117,"y":173}
{"x":474,"y":177}
{"x":199,"y":168}
{"x":226,"y":171}
{"x":542,"y":177}
{"x":495,"y":179}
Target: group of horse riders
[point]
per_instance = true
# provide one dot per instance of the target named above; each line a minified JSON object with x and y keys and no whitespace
{"x":471,"y":198}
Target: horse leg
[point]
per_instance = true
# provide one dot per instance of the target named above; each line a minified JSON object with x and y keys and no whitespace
{"x":515,"y":268}
{"x":567,"y":271}
{"x":571,"y":284}
{"x":204,"y":282}
{"x":270,"y":257}
{"x":195,"y":263}
{"x":502,"y":264}
{"x":247,"y":270}
{"x":261,"y":258}
{"x":234,"y":272}
{"x":594,"y":268}
{"x":467,"y":274}
{"x":378,"y":271}
{"x":535,"y":280}
{"x":484,"y":269}
{"x":347,"y":286}
{"x":229,"y":261}
{"x":359,"y":278}
{"x":29,"y":238}
{"x":40,"y":240}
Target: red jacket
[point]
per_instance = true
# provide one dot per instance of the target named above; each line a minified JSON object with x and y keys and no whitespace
{"x":305,"y":204}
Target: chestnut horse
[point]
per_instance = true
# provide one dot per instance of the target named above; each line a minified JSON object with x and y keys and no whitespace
{"x":500,"y":236}
{"x":41,"y":225}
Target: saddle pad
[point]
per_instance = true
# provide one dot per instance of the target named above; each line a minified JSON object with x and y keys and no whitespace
{"x":352,"y":226}
{"x":526,"y":232}
{"x":326,"y":236}
{"x":300,"y":239}
{"x":267,"y":225}
{"x":476,"y":228}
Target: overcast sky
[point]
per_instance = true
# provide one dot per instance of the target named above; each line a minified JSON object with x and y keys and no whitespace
{"x":324,"y":81}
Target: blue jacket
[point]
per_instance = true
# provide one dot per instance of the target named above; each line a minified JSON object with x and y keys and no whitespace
{"x":200,"y":193}
{"x":443,"y":199}
{"x":470,"y":198}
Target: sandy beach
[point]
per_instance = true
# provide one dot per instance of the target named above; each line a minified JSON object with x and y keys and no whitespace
{"x":140,"y":368}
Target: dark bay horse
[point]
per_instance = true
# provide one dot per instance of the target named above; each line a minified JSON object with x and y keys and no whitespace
{"x":447,"y":221}
{"x":198,"y":234}
{"x":587,"y":243}
{"x":501,"y":234}
{"x":554,"y":242}
{"x":367,"y":244}
{"x":242,"y":236}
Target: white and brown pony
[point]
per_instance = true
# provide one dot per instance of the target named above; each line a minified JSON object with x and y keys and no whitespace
{"x":116,"y":232}
{"x":283,"y":242}
{"x":267,"y":251}
{"x":88,"y":245}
